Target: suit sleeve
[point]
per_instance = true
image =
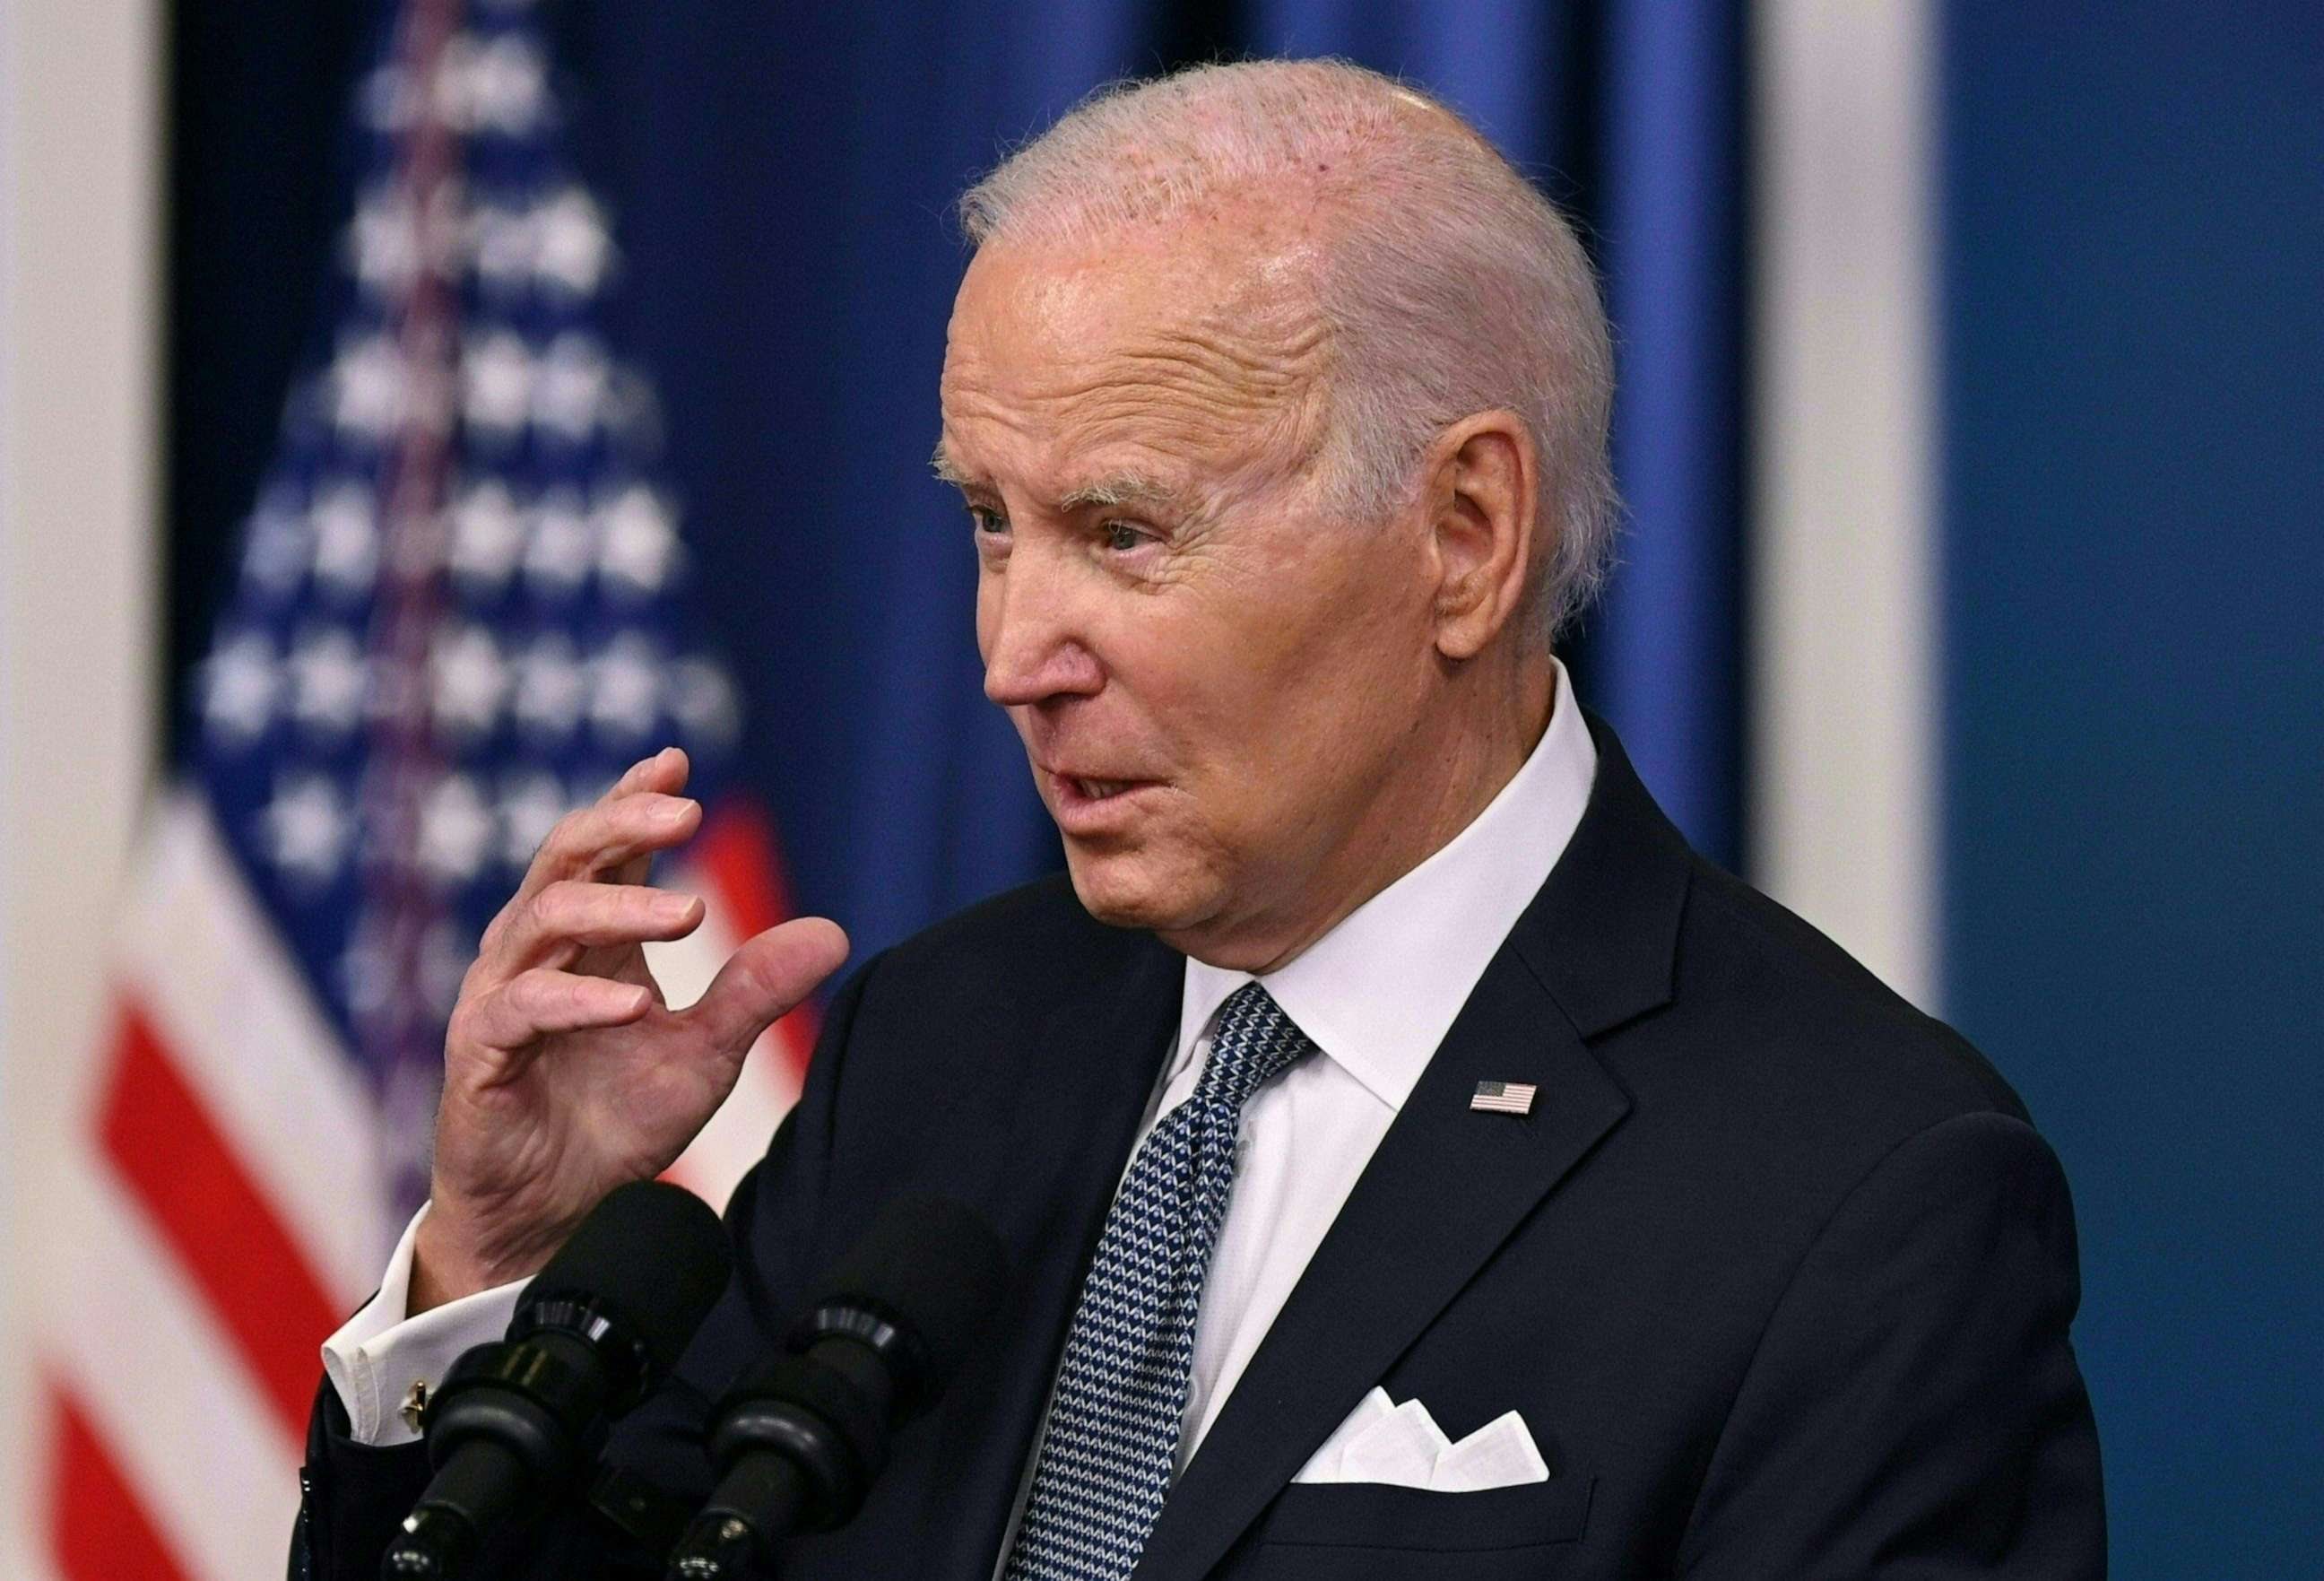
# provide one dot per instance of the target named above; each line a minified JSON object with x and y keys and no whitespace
{"x":1914,"y":1408}
{"x":355,"y":1495}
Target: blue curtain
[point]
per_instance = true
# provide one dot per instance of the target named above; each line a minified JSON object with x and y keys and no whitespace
{"x":1672,"y":215}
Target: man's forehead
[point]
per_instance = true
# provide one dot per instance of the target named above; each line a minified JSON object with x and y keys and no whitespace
{"x":1093,"y":370}
{"x":1202,"y":283}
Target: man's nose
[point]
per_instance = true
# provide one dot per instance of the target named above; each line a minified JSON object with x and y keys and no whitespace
{"x":1035,"y":646}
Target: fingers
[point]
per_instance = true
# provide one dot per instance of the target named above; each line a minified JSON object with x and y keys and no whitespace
{"x":543,"y":1001}
{"x":615,"y":838}
{"x":664,"y":772}
{"x":766,"y":978}
{"x":555,"y":924}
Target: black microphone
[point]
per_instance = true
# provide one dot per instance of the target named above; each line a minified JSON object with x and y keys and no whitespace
{"x":798,"y":1439}
{"x":516,"y":1422}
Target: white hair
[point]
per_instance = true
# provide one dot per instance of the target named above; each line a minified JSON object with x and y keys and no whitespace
{"x":1449,"y":284}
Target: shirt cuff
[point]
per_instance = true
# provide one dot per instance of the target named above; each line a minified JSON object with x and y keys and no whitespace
{"x":379,"y":1355}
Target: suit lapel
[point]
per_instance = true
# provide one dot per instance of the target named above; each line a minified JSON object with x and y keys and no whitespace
{"x":1448,"y":1186}
{"x":1076,"y":1108}
{"x":1444,"y":1190}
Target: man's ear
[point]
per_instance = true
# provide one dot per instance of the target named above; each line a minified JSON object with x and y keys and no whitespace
{"x":1481,"y":492}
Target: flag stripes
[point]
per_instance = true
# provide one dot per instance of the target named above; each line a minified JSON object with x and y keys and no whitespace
{"x":99,"y":1528}
{"x":737,"y":848}
{"x":162,"y":1384}
{"x":226,"y":997}
{"x":224,"y":1232}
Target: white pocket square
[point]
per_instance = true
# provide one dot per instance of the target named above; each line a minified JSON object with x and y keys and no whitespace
{"x":1401,"y":1446}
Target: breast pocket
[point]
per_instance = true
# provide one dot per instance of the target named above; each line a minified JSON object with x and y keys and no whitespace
{"x":1357,"y":1531}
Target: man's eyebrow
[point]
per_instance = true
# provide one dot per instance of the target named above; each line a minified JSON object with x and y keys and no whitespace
{"x":1120,"y":488}
{"x":1111,"y":490}
{"x":946,"y":469}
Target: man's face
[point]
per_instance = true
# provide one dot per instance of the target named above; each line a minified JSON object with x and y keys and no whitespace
{"x":1211,"y":674}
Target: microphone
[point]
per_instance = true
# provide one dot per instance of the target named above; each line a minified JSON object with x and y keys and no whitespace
{"x":516,"y":1422}
{"x":799,"y":1437}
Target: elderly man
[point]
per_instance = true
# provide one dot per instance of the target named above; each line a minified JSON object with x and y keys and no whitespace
{"x":1531,"y":1198}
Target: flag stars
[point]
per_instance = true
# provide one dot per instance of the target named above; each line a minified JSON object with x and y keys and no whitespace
{"x":345,"y":521}
{"x":501,"y":241}
{"x":496,"y":84}
{"x":468,"y":682}
{"x":382,"y":243}
{"x":456,"y":830}
{"x":306,"y":828}
{"x":381,"y":986}
{"x":638,"y":545}
{"x":487,"y":536}
{"x":559,"y":243}
{"x":367,"y":974}
{"x":385,"y":99}
{"x":572,"y":387}
{"x":530,"y":806}
{"x":453,"y":617}
{"x":502,"y":85}
{"x":550,"y":687}
{"x":438,"y":647}
{"x":704,"y":702}
{"x":625,"y":689}
{"x":276,"y":552}
{"x":240,"y":683}
{"x":562,"y":549}
{"x":573,"y":248}
{"x":367,"y":387}
{"x":445,"y":951}
{"x":327,"y":681}
{"x":496,"y":386}
{"x":499,"y":85}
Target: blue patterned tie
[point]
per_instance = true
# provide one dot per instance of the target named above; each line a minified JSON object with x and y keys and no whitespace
{"x":1113,"y":1436}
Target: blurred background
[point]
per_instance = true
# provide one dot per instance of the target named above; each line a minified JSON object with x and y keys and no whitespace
{"x":411,"y":412}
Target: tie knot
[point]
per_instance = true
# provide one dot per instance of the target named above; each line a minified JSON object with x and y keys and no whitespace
{"x":1254,"y":1043}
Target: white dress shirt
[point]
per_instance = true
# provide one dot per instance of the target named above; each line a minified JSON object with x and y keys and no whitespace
{"x":1377,"y":994}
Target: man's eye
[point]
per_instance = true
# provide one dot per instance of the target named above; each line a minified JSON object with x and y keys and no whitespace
{"x":987,"y":521}
{"x":1122,"y":537}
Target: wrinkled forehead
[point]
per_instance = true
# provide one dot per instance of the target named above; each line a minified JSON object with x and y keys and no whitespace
{"x":1204,"y":348}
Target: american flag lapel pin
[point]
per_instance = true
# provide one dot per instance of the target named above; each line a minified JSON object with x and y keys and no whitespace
{"x":1503,"y":1097}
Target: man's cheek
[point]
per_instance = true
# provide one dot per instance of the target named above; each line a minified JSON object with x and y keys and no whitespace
{"x":988,"y":614}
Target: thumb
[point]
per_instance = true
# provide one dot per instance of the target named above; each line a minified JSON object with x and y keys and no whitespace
{"x":765,"y":977}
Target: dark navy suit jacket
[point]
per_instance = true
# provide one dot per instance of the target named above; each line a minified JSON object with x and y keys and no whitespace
{"x":1776,"y":1271}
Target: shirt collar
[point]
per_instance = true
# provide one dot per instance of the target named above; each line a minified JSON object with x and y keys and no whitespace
{"x":1380,"y":990}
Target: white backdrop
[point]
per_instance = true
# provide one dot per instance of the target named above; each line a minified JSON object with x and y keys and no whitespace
{"x":80,"y":273}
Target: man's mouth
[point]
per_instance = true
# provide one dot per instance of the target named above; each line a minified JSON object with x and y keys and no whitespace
{"x":1090,"y":804}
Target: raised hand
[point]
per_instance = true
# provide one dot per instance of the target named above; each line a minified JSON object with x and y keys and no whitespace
{"x":564,"y":1074}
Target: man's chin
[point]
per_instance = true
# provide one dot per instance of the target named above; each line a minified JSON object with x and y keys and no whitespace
{"x":1114,"y":891}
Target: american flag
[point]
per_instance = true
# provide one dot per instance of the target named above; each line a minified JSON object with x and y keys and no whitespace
{"x":1503,"y":1097}
{"x":458,"y":610}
